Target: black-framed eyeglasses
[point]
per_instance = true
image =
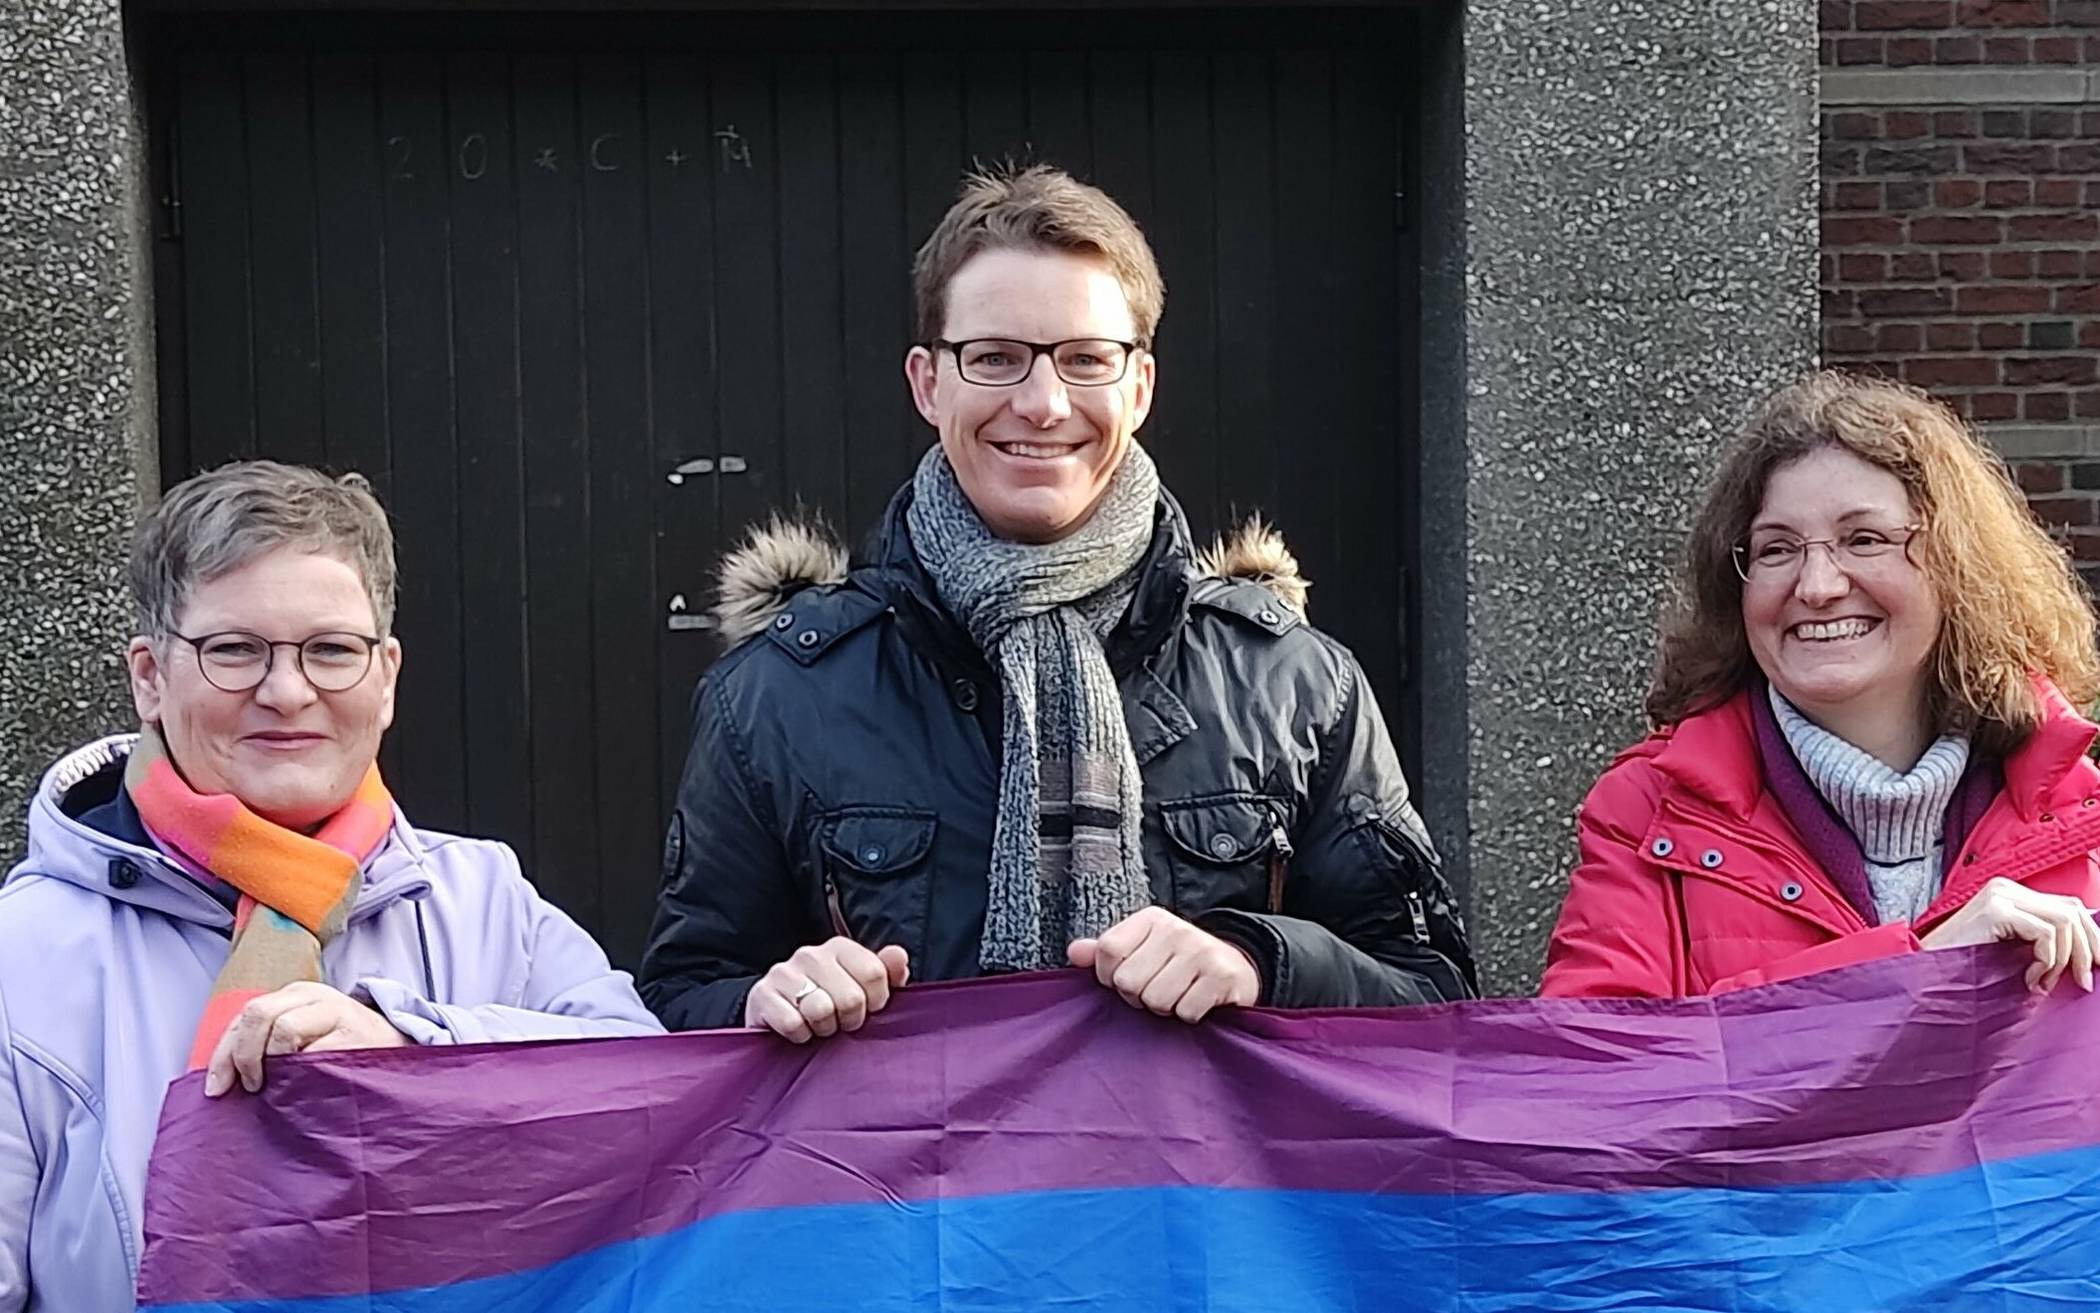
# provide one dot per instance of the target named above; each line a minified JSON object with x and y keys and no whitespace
{"x":1002,"y":362}
{"x":1779,"y":556}
{"x":234,"y":661}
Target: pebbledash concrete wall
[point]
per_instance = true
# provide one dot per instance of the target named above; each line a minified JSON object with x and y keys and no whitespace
{"x":1629,"y":242}
{"x":1620,"y":256}
{"x":76,"y":382}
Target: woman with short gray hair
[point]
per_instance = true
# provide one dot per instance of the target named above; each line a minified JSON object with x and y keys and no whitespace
{"x":233,"y":882}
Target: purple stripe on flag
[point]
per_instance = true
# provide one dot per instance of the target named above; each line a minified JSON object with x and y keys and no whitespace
{"x":526,"y":1153}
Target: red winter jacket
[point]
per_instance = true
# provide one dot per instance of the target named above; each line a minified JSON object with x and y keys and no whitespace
{"x":1693,"y":881}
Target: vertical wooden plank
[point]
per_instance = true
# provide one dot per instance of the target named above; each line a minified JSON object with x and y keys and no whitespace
{"x":171,"y":362}
{"x":1119,"y":116}
{"x":934,"y":160}
{"x":480,"y":179}
{"x":1320,"y":448}
{"x":1375,"y":512}
{"x":995,"y":109}
{"x":622,"y":555}
{"x":683,"y":377}
{"x":351,"y":262}
{"x":285,"y":297}
{"x":546,"y":157}
{"x":1244,"y":162}
{"x":876,"y":293}
{"x":1119,"y":119}
{"x":1183,"y":431}
{"x":425,"y":502}
{"x":1058,"y":128}
{"x":934,"y":151}
{"x":747,"y":282}
{"x":216,"y":269}
{"x":812,"y":348}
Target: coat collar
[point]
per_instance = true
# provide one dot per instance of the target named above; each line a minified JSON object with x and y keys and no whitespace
{"x":894,"y":573}
{"x":1714,"y":755}
{"x":65,"y":847}
{"x":2037,"y":770}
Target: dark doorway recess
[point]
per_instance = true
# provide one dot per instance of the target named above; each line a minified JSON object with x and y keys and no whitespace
{"x":584,"y":298}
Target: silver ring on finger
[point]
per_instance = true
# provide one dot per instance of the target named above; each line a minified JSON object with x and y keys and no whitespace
{"x":808,"y":987}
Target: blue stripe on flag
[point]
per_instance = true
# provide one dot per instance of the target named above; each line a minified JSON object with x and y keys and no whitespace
{"x":2011,"y":1235}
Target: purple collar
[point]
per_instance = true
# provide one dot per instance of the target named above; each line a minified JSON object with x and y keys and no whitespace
{"x":1826,"y":837}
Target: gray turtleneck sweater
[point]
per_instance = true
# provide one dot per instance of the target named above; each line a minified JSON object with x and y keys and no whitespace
{"x":1898,"y":817}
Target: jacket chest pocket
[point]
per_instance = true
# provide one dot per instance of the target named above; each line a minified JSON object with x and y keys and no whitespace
{"x":1227,"y":850}
{"x":876,"y":869}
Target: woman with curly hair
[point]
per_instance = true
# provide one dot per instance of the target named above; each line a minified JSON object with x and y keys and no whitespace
{"x":1866,"y":738}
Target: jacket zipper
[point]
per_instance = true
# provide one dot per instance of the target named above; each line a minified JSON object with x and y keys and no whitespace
{"x":1417,"y":909}
{"x":836,"y":908}
{"x":1279,"y":864}
{"x":1420,"y":914}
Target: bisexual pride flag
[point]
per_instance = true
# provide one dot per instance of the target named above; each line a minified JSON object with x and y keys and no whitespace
{"x":1918,"y":1133}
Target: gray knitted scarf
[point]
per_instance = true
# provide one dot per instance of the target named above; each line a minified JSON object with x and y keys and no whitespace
{"x":1066,"y":862}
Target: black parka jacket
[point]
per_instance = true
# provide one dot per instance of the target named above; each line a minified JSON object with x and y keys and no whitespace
{"x":844,"y":768}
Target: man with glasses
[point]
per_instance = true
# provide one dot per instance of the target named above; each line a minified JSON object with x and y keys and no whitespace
{"x":1034,"y":728}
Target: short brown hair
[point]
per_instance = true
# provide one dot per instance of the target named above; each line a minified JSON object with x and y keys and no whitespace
{"x":221,"y":520}
{"x":1035,"y":208}
{"x":2010,"y":604}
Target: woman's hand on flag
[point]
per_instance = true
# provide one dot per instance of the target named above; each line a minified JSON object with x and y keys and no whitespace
{"x":306,"y":1017}
{"x":2059,"y":927}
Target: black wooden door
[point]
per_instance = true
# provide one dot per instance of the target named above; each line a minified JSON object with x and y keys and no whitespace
{"x":584,"y":300}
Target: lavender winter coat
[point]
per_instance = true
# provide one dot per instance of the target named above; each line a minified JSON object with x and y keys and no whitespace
{"x":107,"y":952}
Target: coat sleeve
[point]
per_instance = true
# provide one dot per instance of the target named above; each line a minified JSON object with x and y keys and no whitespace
{"x":19,"y":1175}
{"x":1622,"y":930}
{"x":1368,"y":919}
{"x":728,"y":909}
{"x":570,"y":992}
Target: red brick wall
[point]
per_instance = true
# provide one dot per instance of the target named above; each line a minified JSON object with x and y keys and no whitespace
{"x":1961,"y":222}
{"x":2065,"y":494}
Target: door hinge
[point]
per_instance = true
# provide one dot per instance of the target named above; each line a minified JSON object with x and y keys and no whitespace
{"x":1400,"y":183}
{"x":1403,"y":630}
{"x":171,"y":183}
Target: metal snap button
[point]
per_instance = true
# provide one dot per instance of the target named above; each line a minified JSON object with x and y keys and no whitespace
{"x":965,"y":694}
{"x":1222,"y":845}
{"x":872,"y":855}
{"x":123,"y":873}
{"x":1710,"y":859}
{"x":1662,"y":848}
{"x":784,"y":620}
{"x":1268,"y":617}
{"x":1790,"y":891}
{"x":809,"y":638}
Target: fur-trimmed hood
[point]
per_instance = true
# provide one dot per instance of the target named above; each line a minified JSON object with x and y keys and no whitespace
{"x":787,"y":554}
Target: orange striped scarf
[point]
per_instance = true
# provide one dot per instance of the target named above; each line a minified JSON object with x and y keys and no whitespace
{"x":296,"y":891}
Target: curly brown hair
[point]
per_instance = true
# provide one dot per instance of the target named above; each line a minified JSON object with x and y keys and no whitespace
{"x":2011,"y":605}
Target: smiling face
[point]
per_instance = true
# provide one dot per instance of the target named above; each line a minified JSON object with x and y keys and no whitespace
{"x":1036,"y":457}
{"x":1848,"y":640}
{"x":292,"y":753}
